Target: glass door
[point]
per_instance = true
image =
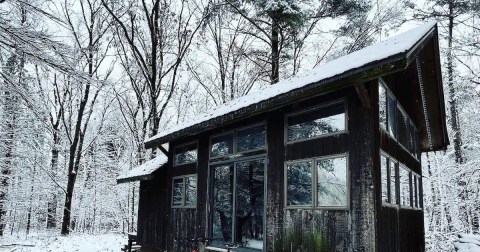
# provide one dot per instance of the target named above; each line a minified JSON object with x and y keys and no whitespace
{"x":238,"y":203}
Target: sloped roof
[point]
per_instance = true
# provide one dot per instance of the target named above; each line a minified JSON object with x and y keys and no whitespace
{"x":391,"y":55}
{"x":143,"y":171}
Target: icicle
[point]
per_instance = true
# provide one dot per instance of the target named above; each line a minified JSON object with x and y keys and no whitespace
{"x":424,"y":102}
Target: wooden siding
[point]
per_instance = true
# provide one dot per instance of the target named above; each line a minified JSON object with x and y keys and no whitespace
{"x":365,"y":226}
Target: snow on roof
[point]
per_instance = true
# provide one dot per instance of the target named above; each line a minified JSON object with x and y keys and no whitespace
{"x":143,"y":171}
{"x":398,"y":44}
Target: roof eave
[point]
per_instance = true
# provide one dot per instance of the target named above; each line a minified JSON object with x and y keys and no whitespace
{"x":367,"y":72}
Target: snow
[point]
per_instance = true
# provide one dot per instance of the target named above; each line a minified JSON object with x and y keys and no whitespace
{"x":145,"y":168}
{"x":467,"y":243}
{"x":400,"y":43}
{"x":477,"y":89}
{"x":53,"y":242}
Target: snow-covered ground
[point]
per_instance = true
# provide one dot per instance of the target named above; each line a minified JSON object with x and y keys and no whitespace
{"x":467,"y":243}
{"x":53,"y":242}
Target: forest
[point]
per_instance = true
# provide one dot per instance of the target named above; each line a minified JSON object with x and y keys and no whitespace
{"x":83,"y":83}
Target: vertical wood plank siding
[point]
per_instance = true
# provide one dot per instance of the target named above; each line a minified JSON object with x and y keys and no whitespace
{"x":355,"y":229}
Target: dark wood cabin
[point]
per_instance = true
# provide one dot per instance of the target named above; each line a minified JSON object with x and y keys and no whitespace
{"x":327,"y":161}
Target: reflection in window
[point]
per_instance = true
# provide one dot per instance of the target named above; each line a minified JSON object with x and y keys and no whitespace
{"x":299,"y":184}
{"x":252,"y":138}
{"x":222,"y":202}
{"x":391,"y":115}
{"x":239,"y":184}
{"x":177,"y":192}
{"x":190,"y":191}
{"x":393,"y":188}
{"x":403,"y":128}
{"x":316,"y":123}
{"x":384,"y":177}
{"x":185,"y":154}
{"x":249,"y":200}
{"x":332,"y":182}
{"x":221,"y":145}
{"x":404,"y":180}
{"x":184,"y":192}
{"x":382,"y":106}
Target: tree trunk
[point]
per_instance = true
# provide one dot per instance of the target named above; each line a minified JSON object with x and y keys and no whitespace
{"x":52,"y":203}
{"x":457,"y":138}
{"x":274,"y":77}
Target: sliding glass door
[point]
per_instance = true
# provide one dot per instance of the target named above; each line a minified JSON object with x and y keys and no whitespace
{"x":238,"y":197}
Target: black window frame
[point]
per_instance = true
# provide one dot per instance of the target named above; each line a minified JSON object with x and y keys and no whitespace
{"x":235,"y":153}
{"x":184,"y":191}
{"x":314,"y":181}
{"x":412,"y":150}
{"x":314,"y":108}
{"x":184,"y":145}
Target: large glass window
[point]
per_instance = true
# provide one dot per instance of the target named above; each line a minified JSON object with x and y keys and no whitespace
{"x":184,"y":191}
{"x":252,"y":138}
{"x":384,"y":177}
{"x":185,"y":154}
{"x":382,"y":106}
{"x":391,"y":115}
{"x":238,"y":141}
{"x":238,"y":203}
{"x":332,"y":182}
{"x":404,"y":180}
{"x":393,"y":165}
{"x":328,"y":179}
{"x":395,"y":121}
{"x":299,"y":183}
{"x":317,"y":122}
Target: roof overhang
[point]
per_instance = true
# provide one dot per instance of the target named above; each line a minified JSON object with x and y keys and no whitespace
{"x":392,"y":63}
{"x":144,"y":171}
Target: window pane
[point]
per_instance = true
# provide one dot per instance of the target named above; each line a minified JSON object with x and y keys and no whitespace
{"x":251,"y":138}
{"x":249,"y":203}
{"x":392,"y":107}
{"x":299,"y":184}
{"x":222,"y":202}
{"x":393,"y":187}
{"x":191,"y":191}
{"x":185,"y":154}
{"x":404,"y":180}
{"x":403,"y":128}
{"x":222,"y":145}
{"x":382,"y":106}
{"x":177,"y":192}
{"x":384,"y":177}
{"x":332,"y":182}
{"x":419,"y":192}
{"x":316,"y":123}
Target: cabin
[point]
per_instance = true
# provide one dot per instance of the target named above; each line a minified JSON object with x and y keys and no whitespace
{"x":329,"y":160}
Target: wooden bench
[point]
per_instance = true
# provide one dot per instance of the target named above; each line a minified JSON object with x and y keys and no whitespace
{"x":132,"y":243}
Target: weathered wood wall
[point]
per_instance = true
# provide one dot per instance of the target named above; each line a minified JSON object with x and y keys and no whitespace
{"x":399,"y":228}
{"x":365,"y":226}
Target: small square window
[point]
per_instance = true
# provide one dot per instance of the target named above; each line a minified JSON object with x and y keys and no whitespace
{"x":185,"y":154}
{"x":221,"y":145}
{"x":317,"y":122}
{"x":252,"y":138}
{"x":184,"y":193}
